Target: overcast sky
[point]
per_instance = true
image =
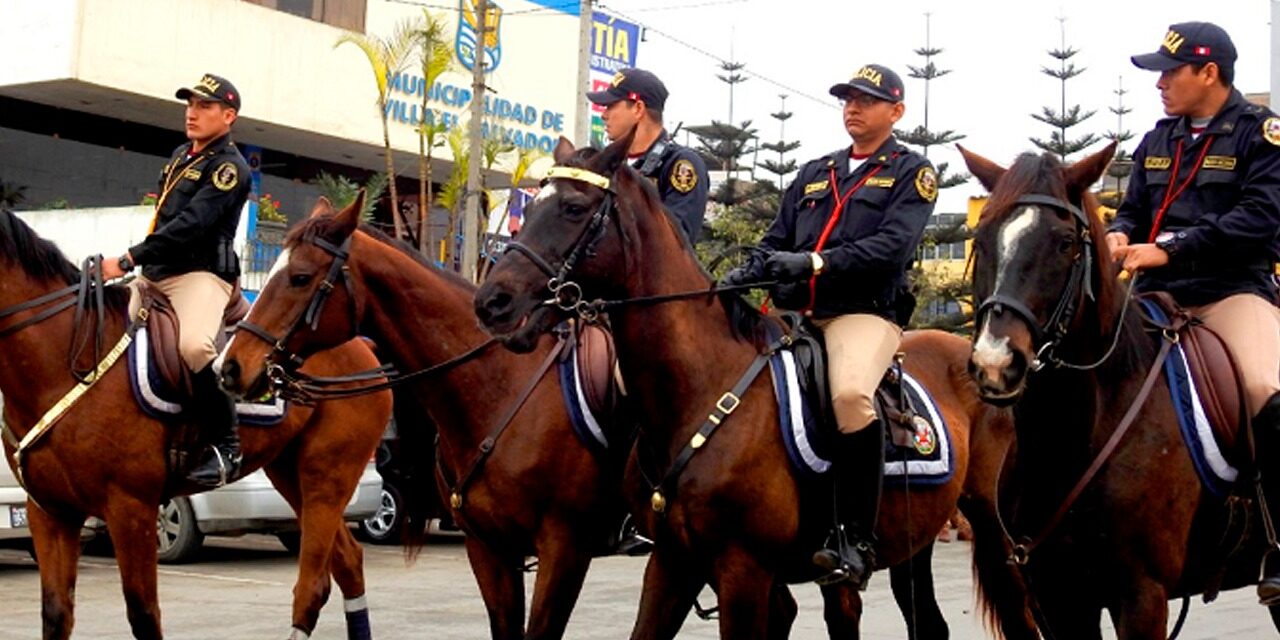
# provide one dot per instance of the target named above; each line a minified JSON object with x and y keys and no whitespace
{"x":995,"y":51}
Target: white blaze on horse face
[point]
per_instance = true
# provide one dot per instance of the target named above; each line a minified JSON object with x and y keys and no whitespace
{"x":545,"y":193}
{"x":1013,"y":231}
{"x":281,"y":262}
{"x":991,"y":355}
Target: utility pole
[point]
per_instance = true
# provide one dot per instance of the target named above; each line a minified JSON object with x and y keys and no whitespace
{"x":582,"y":123}
{"x":471,"y":221}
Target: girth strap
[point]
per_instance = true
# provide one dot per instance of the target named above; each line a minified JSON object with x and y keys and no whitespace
{"x":725,"y":406}
{"x":486,"y":446}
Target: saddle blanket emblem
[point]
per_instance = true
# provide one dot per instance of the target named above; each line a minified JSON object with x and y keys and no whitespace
{"x":159,"y":401}
{"x":930,"y":460}
{"x":1216,"y":473}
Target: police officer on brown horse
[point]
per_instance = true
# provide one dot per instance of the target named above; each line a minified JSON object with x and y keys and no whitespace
{"x":1201,"y":218}
{"x":189,"y":257}
{"x":844,"y":239}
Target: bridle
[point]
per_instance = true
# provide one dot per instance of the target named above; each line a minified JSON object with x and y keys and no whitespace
{"x":1078,"y":287}
{"x":565,"y":293}
{"x":281,"y":358}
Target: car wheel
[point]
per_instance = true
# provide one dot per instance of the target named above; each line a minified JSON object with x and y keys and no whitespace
{"x":292,"y":540}
{"x":177,"y":536}
{"x":383,"y":527}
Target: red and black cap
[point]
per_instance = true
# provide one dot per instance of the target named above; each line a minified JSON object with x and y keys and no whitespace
{"x":1190,"y":43}
{"x":632,"y":84}
{"x":211,"y":87}
{"x":873,"y":79}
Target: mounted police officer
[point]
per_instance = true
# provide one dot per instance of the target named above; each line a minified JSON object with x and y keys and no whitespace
{"x":634,"y":100}
{"x":845,"y":236}
{"x":1201,"y":218}
{"x":189,"y":257}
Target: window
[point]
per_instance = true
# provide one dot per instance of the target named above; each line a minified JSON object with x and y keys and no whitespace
{"x":940,"y":222}
{"x":344,"y":14}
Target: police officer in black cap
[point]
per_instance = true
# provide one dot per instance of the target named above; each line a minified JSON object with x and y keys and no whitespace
{"x":1201,"y":217}
{"x":635,"y":100}
{"x":844,"y":238}
{"x":189,"y":257}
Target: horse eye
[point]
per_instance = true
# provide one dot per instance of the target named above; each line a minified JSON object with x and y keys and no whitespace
{"x":574,"y":210}
{"x":1066,"y":244}
{"x":300,"y":279}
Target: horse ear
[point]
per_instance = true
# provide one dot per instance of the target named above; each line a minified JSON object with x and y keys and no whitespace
{"x":607,"y":162}
{"x":563,"y":151}
{"x":1083,"y":174}
{"x":323,"y":207}
{"x":986,"y":171}
{"x":346,"y":221}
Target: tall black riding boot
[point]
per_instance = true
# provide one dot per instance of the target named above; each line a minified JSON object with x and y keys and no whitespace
{"x":1266,"y":429}
{"x":859,"y":476}
{"x":215,"y":412}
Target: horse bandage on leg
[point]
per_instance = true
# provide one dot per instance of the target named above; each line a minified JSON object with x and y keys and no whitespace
{"x":357,"y":610}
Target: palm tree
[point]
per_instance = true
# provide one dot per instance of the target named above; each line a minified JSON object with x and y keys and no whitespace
{"x":434,"y":57}
{"x":387,"y":57}
{"x":451,"y":192}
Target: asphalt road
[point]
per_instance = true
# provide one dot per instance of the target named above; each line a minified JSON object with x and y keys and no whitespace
{"x":241,"y":588}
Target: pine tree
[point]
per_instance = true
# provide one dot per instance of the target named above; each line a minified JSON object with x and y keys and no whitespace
{"x":922,"y":136}
{"x":1122,"y":164}
{"x":782,"y":147}
{"x":723,"y":144}
{"x":1064,"y":118}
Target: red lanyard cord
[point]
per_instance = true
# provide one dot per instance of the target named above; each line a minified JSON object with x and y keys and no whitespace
{"x":1170,"y":193}
{"x":831,"y":223}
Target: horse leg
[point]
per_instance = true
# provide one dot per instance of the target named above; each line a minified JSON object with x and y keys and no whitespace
{"x":912,"y":585}
{"x":502,"y":587}
{"x":318,"y":520}
{"x":671,"y":584}
{"x":347,"y":567}
{"x":562,"y":566}
{"x":1065,"y":612}
{"x":842,"y":610}
{"x":782,"y":611}
{"x":1002,"y":594}
{"x":744,"y":586}
{"x":57,"y":545}
{"x":1143,"y":613}
{"x":132,"y":524}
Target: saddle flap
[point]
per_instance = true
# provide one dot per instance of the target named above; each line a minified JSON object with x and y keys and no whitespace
{"x":596,"y":362}
{"x":163,"y":332}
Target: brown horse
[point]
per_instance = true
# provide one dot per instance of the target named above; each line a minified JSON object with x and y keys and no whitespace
{"x":733,"y":518}
{"x":541,"y":491}
{"x":106,"y":458}
{"x":1057,"y":335}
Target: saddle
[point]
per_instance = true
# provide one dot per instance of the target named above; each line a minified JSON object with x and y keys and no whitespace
{"x":597,"y":361}
{"x":163,"y":331}
{"x":1216,"y":376}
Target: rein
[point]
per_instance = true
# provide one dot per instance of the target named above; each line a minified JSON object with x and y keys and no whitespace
{"x":300,"y":387}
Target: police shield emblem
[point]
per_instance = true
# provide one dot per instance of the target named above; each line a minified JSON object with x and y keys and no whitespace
{"x":469,"y":35}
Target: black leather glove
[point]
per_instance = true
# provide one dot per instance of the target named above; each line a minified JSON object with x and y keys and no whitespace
{"x":786,"y":266}
{"x":748,"y":272}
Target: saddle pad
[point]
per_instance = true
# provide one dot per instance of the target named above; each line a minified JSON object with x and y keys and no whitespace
{"x":586,"y":425}
{"x":930,"y":462}
{"x":161,"y":402}
{"x":1216,"y":474}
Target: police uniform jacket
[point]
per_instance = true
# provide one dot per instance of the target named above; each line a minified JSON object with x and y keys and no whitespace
{"x":681,"y":178}
{"x":1224,"y":225}
{"x":199,"y":205}
{"x":872,"y":245}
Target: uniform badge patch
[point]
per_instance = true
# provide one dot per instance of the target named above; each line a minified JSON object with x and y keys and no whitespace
{"x":1158,"y":163}
{"x":927,"y":184}
{"x":1226,"y":163}
{"x":924,"y":440}
{"x":1271,"y":130}
{"x":885,"y":182}
{"x":814,"y":187}
{"x":226,"y":176}
{"x":683,"y":176}
{"x":191,"y":174}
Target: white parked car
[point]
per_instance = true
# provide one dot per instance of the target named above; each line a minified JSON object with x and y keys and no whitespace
{"x":13,"y":507}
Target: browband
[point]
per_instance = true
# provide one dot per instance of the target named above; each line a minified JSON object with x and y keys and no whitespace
{"x":581,"y":175}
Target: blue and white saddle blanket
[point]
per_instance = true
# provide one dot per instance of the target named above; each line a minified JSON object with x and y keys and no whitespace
{"x":1211,"y":465}
{"x":929,"y":462}
{"x":586,"y":425}
{"x":161,"y":402}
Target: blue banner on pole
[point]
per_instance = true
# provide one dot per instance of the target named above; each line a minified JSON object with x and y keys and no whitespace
{"x":614,"y":43}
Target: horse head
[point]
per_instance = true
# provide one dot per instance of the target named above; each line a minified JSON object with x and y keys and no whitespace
{"x":288,"y":323}
{"x":573,"y":238}
{"x":1038,"y":261}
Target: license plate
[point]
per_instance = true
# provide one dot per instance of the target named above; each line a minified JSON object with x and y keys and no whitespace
{"x":18,"y":516}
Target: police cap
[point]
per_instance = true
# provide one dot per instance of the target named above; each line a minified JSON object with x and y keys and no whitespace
{"x":211,"y":87}
{"x":632,"y":84}
{"x":1190,"y":43}
{"x":873,"y":79}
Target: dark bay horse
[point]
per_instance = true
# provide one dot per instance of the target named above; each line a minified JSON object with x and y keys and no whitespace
{"x":734,"y":518}
{"x":541,"y":491}
{"x":106,"y":458}
{"x":1058,"y":336}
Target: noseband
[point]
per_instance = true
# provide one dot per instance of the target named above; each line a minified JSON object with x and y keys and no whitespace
{"x":311,"y":318}
{"x":1078,"y":286}
{"x":565,"y":293}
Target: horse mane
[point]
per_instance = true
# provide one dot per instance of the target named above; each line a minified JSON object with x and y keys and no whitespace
{"x":746,"y":322}
{"x":324,"y":226}
{"x":39,"y":258}
{"x":1045,"y":174}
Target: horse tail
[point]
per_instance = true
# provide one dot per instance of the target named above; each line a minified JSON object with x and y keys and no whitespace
{"x":415,"y":473}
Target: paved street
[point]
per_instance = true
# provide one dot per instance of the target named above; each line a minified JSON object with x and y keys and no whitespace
{"x":241,"y":589}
